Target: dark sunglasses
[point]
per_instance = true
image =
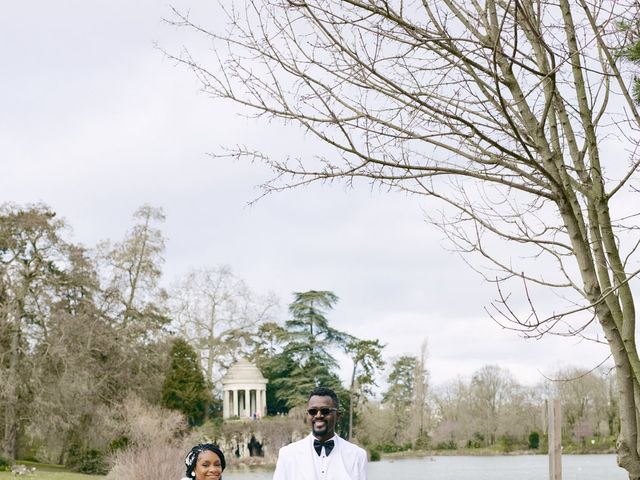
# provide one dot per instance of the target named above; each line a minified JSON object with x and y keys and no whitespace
{"x":324,"y":411}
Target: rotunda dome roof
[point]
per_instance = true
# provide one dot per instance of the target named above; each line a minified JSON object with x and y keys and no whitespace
{"x":243,"y":371}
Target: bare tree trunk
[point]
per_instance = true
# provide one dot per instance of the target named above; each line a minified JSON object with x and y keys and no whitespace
{"x":352,"y":386}
{"x":11,"y":423}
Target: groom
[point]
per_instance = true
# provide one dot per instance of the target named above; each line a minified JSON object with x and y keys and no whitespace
{"x":322,"y":455}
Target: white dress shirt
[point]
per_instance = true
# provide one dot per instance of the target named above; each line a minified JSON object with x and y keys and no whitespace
{"x":321,"y":462}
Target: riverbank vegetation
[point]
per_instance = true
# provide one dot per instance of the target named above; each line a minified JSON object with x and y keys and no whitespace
{"x":491,"y":410}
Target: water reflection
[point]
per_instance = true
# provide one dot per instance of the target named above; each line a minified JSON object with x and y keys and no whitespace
{"x":520,"y":467}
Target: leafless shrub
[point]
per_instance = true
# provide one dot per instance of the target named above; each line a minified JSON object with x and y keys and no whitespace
{"x":149,"y":425}
{"x":150,"y":462}
{"x":157,"y":442}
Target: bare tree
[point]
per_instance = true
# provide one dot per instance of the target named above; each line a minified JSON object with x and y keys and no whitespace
{"x":32,"y":253}
{"x":218,"y":313}
{"x":513,"y":113}
{"x":487,"y":409}
{"x":420,"y":400}
{"x":492,"y":388}
{"x":585,"y":404}
{"x":133,"y":301}
{"x":452,"y":418}
{"x":130,"y":273}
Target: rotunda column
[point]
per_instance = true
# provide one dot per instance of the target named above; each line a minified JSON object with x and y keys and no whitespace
{"x":225,"y":403}
{"x":257,"y":404}
{"x":255,"y":410}
{"x":236,"y":409}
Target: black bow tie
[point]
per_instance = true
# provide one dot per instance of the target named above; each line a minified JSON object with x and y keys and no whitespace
{"x":328,"y":446}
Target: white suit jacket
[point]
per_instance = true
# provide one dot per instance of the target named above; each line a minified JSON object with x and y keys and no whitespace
{"x":346,"y":461}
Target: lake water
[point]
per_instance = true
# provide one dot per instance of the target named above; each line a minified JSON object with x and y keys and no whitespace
{"x":516,"y":467}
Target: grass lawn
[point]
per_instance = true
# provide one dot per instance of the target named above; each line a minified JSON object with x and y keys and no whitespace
{"x":48,"y":472}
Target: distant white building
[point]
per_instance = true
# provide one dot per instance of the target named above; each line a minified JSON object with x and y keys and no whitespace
{"x":244,"y":391}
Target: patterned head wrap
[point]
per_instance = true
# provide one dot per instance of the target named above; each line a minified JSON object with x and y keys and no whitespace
{"x":192,"y":457}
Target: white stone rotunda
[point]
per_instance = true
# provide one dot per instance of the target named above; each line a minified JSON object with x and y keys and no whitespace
{"x":244,"y":391}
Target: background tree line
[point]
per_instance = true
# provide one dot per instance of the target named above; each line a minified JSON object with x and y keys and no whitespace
{"x":490,"y":410}
{"x":80,"y":331}
{"x":87,"y":335}
{"x":85,"y":332}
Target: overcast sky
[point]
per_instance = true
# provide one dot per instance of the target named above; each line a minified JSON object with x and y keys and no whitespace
{"x":95,"y":121}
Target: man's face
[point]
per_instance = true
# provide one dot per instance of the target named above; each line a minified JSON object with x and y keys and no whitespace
{"x":323,"y":423}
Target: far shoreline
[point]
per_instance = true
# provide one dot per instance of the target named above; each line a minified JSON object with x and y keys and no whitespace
{"x":474,"y":452}
{"x":253,"y":465}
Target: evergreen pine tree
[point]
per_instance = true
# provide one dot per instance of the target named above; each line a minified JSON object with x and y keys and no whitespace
{"x":185,"y":388}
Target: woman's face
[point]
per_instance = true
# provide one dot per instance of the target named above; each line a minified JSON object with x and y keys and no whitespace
{"x":208,"y":466}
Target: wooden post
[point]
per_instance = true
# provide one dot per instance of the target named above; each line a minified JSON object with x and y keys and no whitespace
{"x":555,"y":440}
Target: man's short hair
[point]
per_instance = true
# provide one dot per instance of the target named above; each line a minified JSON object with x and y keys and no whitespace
{"x":325,"y":392}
